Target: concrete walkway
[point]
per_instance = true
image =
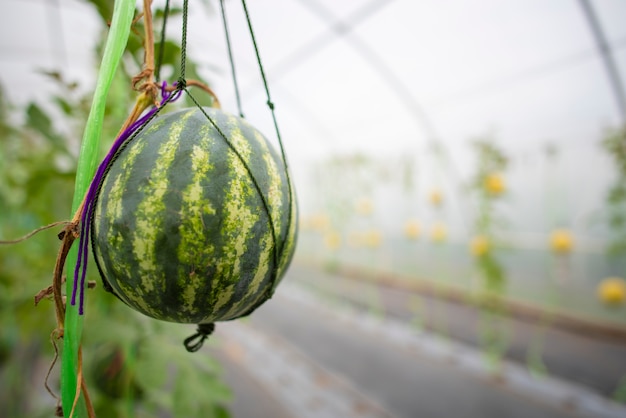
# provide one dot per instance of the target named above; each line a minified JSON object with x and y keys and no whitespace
{"x":597,"y":362}
{"x":298,"y":356}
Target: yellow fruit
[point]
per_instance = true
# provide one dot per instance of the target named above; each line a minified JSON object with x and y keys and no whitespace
{"x":561,"y":241}
{"x":438,"y":233}
{"x":412,"y":229}
{"x":436,"y":198}
{"x":364,"y":207}
{"x":494,"y":184}
{"x":612,"y":291}
{"x":332,"y":240}
{"x":480,"y":246}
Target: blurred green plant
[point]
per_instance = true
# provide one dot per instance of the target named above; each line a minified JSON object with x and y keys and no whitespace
{"x":134,"y":366}
{"x":37,"y":173}
{"x":614,"y":143}
{"x":488,"y":186}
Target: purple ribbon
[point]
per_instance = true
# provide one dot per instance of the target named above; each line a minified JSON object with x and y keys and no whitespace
{"x":85,"y":219}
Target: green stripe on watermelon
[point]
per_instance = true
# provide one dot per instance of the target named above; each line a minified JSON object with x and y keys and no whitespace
{"x":194,"y":207}
{"x":180,"y":230}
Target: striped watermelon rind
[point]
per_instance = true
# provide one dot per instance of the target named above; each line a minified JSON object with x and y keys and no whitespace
{"x":194,"y":224}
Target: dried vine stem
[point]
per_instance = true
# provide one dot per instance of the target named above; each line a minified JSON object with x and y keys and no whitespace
{"x":144,"y":81}
{"x":33,"y":232}
{"x":144,"y":101}
{"x":53,"y":338}
{"x":67,"y":236}
{"x":82,"y":388}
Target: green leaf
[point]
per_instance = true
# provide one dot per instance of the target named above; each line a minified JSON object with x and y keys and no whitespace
{"x":64,"y":105}
{"x":39,"y":121}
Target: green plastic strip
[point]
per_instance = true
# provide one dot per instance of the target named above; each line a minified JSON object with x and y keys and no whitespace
{"x":117,"y":39}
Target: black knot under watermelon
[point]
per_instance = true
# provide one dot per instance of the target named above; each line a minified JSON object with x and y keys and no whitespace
{"x":195,"y":220}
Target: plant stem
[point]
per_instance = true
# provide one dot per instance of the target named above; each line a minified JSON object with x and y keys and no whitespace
{"x":149,"y":43}
{"x":115,"y":45}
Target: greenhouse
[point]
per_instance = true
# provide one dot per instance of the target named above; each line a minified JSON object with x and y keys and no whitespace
{"x":308,"y":208}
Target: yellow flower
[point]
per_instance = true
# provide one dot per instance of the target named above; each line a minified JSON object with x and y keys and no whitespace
{"x":561,"y":241}
{"x":332,"y":240}
{"x":412,"y":229}
{"x":494,"y":184}
{"x":612,"y":291}
{"x":480,"y":246}
{"x":364,"y":207}
{"x":372,"y":238}
{"x":439,"y":232}
{"x":436,"y":198}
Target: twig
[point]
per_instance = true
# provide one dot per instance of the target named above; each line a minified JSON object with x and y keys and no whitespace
{"x":82,"y":388}
{"x":53,"y":337}
{"x":144,"y":81}
{"x":149,"y":45}
{"x":30,"y":234}
{"x":79,"y":377}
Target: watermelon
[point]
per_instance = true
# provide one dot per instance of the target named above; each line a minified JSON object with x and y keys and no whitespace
{"x":195,"y":219}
